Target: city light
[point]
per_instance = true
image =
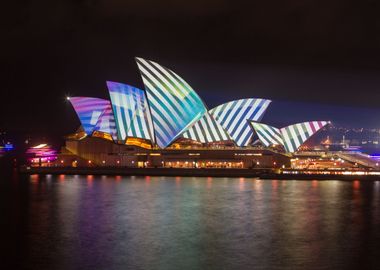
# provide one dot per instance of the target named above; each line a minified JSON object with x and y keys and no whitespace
{"x":42,"y":145}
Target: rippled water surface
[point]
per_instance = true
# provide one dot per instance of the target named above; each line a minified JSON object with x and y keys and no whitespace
{"x":113,"y":222}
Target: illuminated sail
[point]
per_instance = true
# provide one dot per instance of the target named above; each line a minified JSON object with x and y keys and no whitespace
{"x":268,"y":135}
{"x":295,"y":135}
{"x":106,"y":122}
{"x":175,"y":106}
{"x":206,"y":130}
{"x":291,"y":137}
{"x":233,"y":117}
{"x":89,"y":111}
{"x":131,"y":110}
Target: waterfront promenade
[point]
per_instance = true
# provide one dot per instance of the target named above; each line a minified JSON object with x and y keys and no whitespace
{"x":262,"y":173}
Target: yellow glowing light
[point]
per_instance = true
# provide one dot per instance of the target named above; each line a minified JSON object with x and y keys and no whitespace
{"x":40,"y":146}
{"x":102,"y":135}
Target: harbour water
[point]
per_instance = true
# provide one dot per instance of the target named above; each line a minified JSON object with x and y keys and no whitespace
{"x":114,"y":222}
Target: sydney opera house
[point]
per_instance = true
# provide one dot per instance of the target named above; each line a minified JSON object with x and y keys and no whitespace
{"x":168,"y":125}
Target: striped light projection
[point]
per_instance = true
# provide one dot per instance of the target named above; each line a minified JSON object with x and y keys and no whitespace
{"x":291,"y":137}
{"x":89,"y":111}
{"x":233,"y":117}
{"x":175,"y":106}
{"x":206,"y":130}
{"x":131,"y":110}
{"x":268,"y":135}
{"x":295,"y":135}
{"x":170,"y":108}
{"x":106,"y":122}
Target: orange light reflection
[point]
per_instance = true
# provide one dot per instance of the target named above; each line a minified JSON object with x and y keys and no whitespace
{"x":356,"y":184}
{"x":61,"y":178}
{"x":209,"y":182}
{"x":314,"y":183}
{"x":178,"y":181}
{"x":90,"y":179}
{"x":241,"y":183}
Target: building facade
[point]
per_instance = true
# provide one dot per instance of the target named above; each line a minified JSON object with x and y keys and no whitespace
{"x":168,"y":124}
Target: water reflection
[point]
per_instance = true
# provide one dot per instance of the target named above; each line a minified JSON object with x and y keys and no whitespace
{"x":178,"y":181}
{"x":90,"y":179}
{"x":241,"y":183}
{"x":115,"y":222}
{"x":61,"y":178}
{"x":209,"y":182}
{"x":356,"y":184}
{"x":314,"y":184}
{"x":34,"y":178}
{"x":274,"y":184}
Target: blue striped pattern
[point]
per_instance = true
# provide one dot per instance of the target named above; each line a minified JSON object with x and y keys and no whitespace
{"x":206,"y":130}
{"x":106,"y":122}
{"x":291,"y":137}
{"x":295,"y":135}
{"x":132,"y":115}
{"x":268,"y":135}
{"x":175,"y":106}
{"x":233,"y":117}
{"x":89,"y":111}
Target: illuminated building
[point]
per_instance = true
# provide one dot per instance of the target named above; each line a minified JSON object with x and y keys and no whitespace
{"x":234,"y":116}
{"x":168,"y":119}
{"x":207,"y":130}
{"x":175,"y":106}
{"x":291,"y":137}
{"x":41,"y":155}
{"x":131,"y":109}
{"x":95,"y":114}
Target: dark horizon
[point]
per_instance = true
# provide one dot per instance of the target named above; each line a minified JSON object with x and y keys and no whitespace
{"x":316,"y":61}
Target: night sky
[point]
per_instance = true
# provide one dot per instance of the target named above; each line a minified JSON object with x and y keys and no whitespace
{"x":317,"y":60}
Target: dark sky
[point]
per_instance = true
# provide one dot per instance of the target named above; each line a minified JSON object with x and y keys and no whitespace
{"x":316,"y":59}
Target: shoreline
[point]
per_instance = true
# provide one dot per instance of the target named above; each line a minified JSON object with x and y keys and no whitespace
{"x":261,"y":173}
